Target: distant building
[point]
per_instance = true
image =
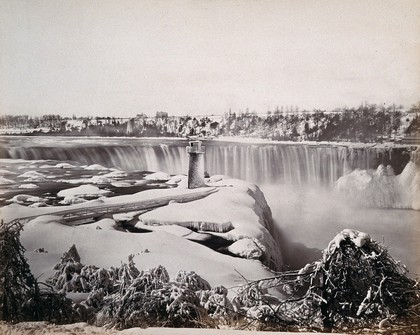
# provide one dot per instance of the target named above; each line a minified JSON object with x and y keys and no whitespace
{"x":161,"y":115}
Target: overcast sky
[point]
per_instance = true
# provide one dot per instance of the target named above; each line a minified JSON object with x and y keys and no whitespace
{"x":110,"y":58}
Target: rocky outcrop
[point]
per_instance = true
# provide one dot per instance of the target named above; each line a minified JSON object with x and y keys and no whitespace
{"x":238,"y":214}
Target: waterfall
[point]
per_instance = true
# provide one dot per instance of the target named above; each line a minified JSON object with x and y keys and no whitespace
{"x":298,"y":164}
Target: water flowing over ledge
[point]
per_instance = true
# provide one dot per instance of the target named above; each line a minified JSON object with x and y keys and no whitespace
{"x":298,"y":164}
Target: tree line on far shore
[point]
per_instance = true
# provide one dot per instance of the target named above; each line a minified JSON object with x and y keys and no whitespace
{"x":367,"y":123}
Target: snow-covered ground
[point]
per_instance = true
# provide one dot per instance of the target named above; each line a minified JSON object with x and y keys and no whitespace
{"x":43,"y":328}
{"x":102,"y":244}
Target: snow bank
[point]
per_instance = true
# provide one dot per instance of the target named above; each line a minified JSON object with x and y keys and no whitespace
{"x":108,"y":224}
{"x":381,"y":188}
{"x":106,"y":247}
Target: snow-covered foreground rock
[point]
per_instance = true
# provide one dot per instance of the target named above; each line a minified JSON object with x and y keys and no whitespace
{"x":382,"y":188}
{"x":238,"y":212}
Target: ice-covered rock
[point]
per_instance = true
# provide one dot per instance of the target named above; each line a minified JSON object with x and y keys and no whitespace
{"x":82,"y":191}
{"x":381,"y":188}
{"x":115,"y":174}
{"x":99,"y":180}
{"x":28,"y":186}
{"x":5,"y":181}
{"x":95,"y":167}
{"x":25,"y":198}
{"x":158,"y":176}
{"x":64,"y":166}
{"x":4,"y":172}
{"x":33,"y":176}
{"x":71,"y":200}
{"x":121,"y":184}
{"x":247,"y":248}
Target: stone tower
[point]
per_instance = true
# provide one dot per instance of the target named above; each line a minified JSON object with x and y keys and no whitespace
{"x":196,"y":164}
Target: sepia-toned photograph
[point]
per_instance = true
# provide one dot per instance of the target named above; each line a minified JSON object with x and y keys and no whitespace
{"x":209,"y":167}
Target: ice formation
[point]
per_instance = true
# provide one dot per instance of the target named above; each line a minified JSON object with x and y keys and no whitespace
{"x":382,"y":188}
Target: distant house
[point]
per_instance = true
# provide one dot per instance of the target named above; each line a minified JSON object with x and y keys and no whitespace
{"x":161,"y":115}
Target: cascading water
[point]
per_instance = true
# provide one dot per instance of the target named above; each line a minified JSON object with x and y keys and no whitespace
{"x":297,"y":164}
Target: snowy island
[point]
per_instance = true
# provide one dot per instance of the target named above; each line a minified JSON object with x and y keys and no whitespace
{"x":202,"y":235}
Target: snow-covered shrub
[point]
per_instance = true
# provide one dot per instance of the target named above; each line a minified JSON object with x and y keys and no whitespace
{"x":67,"y":277}
{"x":192,"y":280}
{"x":21,"y":298}
{"x":356,"y":284}
{"x":127,"y":273}
{"x":19,"y":289}
{"x":150,"y":300}
{"x":217,"y":304}
{"x":98,"y":278}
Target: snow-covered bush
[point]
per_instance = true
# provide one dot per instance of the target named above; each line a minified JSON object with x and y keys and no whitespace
{"x":217,"y":304}
{"x":356,"y":284}
{"x":67,"y":277}
{"x":192,"y":280}
{"x":21,"y":297}
{"x":150,"y":300}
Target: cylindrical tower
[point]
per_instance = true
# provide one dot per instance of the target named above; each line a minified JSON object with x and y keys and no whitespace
{"x":196,"y":164}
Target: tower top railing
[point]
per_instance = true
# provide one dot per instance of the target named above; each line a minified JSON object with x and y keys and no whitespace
{"x":196,"y":150}
{"x":195,"y":147}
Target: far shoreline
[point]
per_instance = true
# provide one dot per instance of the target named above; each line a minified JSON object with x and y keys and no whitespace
{"x":228,"y":139}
